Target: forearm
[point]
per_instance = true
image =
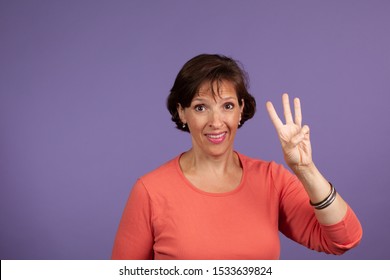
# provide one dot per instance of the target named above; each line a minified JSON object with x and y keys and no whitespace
{"x":318,"y":188}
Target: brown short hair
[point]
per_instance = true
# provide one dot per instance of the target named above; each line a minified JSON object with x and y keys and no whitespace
{"x":209,"y":68}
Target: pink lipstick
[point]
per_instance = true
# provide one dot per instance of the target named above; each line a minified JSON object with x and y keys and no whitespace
{"x":216,"y":138}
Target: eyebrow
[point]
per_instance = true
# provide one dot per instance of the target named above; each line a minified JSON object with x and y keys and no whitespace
{"x":204,"y":99}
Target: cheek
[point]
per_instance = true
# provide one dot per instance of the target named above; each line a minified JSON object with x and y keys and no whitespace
{"x":196,"y":123}
{"x":235,"y":118}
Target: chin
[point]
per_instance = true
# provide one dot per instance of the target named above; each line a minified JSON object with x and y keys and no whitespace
{"x":219,"y":151}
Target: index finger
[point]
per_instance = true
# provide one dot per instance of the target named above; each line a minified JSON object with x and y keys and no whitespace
{"x":273,"y":115}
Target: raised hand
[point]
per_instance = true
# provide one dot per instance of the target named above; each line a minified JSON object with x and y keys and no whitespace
{"x":294,"y":138}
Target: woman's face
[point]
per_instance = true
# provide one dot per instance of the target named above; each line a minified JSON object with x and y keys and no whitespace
{"x":213,"y":119}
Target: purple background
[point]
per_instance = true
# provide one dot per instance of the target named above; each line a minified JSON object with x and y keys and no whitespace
{"x":83,"y":86}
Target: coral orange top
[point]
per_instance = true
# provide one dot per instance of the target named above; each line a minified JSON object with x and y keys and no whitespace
{"x":168,"y":218}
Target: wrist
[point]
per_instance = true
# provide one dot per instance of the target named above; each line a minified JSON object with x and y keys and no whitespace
{"x":311,"y":177}
{"x":304,"y":170}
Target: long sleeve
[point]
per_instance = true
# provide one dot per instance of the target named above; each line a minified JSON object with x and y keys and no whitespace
{"x":298,"y":221}
{"x":166,"y":217}
{"x":134,"y":238}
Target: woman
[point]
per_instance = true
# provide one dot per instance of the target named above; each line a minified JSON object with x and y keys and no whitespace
{"x":212,"y":202}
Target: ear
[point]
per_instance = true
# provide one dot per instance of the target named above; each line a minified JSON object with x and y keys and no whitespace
{"x":180,"y":111}
{"x":242,"y":107}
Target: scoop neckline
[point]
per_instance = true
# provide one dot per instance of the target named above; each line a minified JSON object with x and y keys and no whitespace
{"x":222,"y":194}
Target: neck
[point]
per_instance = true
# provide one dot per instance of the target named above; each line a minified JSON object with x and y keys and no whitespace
{"x":194,"y":161}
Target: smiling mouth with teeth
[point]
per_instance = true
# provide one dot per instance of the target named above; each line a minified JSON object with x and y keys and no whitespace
{"x":216,"y":138}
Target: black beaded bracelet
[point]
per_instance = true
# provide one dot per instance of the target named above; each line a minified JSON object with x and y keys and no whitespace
{"x":327,"y":201}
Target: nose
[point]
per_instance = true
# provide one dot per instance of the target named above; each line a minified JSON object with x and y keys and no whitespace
{"x":216,"y":120}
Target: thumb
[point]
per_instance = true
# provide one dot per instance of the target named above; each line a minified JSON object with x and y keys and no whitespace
{"x":304,"y":132}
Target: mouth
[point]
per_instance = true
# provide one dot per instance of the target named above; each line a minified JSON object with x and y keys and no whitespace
{"x":216,"y":138}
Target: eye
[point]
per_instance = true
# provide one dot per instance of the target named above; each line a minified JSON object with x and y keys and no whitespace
{"x":199,"y":108}
{"x":229,"y":106}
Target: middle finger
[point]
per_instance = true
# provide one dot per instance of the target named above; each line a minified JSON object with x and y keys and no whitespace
{"x":287,"y":109}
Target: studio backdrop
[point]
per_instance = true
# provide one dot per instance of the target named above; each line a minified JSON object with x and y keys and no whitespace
{"x":83,"y":86}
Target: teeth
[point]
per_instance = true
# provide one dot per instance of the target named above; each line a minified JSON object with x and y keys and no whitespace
{"x":216,"y":136}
